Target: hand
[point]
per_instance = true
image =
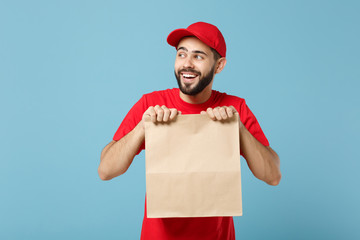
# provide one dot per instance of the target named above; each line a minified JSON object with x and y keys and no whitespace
{"x":161,"y":114}
{"x":220,"y":113}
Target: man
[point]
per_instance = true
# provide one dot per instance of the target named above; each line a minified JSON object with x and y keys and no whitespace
{"x":201,"y":52}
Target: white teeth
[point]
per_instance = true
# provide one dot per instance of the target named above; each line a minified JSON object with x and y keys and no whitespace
{"x":189,"y":75}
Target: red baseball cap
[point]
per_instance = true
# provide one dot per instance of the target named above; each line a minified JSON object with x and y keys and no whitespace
{"x":206,"y":32}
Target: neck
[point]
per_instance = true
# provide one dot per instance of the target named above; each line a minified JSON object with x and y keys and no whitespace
{"x":199,"y":98}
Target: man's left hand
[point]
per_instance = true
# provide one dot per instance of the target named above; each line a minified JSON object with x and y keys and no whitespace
{"x":220,"y":113}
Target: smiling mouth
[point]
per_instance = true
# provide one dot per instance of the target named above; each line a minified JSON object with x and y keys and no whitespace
{"x":189,"y":76}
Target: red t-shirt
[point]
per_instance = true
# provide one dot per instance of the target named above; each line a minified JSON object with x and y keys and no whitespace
{"x":209,"y":228}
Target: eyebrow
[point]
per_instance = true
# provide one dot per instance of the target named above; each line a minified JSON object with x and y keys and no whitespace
{"x":195,"y":51}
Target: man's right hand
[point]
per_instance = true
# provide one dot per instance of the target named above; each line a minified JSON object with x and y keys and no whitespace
{"x":161,"y":114}
{"x":117,"y":156}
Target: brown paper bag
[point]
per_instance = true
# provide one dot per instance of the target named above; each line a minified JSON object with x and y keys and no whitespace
{"x":193,"y":167}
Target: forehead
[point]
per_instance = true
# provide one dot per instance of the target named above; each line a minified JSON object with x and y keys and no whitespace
{"x":194,"y":44}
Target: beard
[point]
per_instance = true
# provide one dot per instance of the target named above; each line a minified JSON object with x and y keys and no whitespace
{"x":201,"y":85}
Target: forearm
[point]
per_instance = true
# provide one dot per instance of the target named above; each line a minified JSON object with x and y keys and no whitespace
{"x":117,"y":156}
{"x":262,"y":160}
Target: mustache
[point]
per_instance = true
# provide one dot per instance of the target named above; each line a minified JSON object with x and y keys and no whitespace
{"x":189,"y":70}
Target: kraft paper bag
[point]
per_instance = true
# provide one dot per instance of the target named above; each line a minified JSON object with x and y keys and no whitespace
{"x":193,"y":167}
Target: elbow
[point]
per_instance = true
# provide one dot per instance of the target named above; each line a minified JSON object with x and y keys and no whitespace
{"x":275,"y":181}
{"x":104,"y":175}
{"x":276,"y":173}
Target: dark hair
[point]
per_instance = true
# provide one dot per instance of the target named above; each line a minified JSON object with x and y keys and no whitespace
{"x":216,"y":54}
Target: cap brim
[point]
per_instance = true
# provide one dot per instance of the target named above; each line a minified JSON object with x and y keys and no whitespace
{"x":176,"y":35}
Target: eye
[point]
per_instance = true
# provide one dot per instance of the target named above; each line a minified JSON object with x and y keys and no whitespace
{"x":199,"y":57}
{"x":181,"y":55}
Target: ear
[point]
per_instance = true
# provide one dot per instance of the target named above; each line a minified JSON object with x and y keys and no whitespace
{"x":221,"y":62}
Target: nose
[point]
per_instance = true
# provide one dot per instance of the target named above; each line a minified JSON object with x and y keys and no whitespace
{"x":188,"y":63}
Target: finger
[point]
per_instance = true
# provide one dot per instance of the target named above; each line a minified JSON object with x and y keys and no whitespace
{"x":159,"y":113}
{"x":229,"y":112}
{"x":173,"y":113}
{"x":166,"y":113}
{"x":151,"y":112}
{"x":210,"y":113}
{"x":202,"y":112}
{"x":234,"y":112}
{"x":223,"y":113}
{"x":217,"y":113}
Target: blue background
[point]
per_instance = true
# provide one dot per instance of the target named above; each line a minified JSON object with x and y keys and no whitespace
{"x":71,"y":70}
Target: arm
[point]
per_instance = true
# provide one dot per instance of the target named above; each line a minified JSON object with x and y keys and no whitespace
{"x":117,"y":156}
{"x":262,"y":160}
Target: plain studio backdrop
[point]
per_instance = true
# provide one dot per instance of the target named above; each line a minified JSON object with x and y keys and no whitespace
{"x":71,"y":70}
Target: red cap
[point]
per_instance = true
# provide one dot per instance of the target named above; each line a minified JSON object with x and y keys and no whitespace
{"x":206,"y":32}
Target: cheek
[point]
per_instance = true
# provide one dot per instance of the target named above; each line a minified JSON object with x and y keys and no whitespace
{"x":208,"y":67}
{"x":176,"y":62}
{"x":177,"y":65}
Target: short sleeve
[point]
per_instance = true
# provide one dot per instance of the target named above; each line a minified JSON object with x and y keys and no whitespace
{"x":251,"y":124}
{"x":130,"y":121}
